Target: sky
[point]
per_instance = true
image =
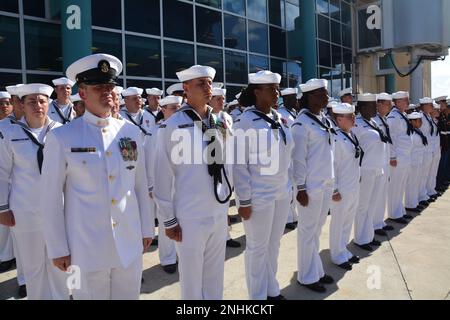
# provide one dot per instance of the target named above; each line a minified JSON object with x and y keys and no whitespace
{"x":440,"y":78}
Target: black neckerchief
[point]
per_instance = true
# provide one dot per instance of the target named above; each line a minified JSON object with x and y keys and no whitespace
{"x":215,"y":170}
{"x":388,"y":130}
{"x":274,"y":123}
{"x":60,"y":114}
{"x":383,"y":137}
{"x":139,"y":125}
{"x":327,"y":126}
{"x":430,"y":122}
{"x":424,"y":139}
{"x":294,"y":115}
{"x":151,"y":112}
{"x":40,"y":151}
{"x":359,"y":152}
{"x":410,"y":128}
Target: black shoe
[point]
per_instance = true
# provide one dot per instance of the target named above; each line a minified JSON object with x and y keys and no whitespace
{"x":22,"y":292}
{"x":170,"y":268}
{"x":413,"y":210}
{"x":434,"y":196}
{"x":326,"y":279}
{"x":424,"y":203}
{"x":142,"y":280}
{"x":7,"y":265}
{"x":154,"y":243}
{"x":345,"y":266}
{"x":316,"y":287}
{"x":400,"y":221}
{"x":366,"y":247}
{"x":156,"y":223}
{"x":354,"y":259}
{"x":234,"y":220}
{"x":431,"y":200}
{"x":420,"y":208}
{"x":233,"y":244}
{"x":375,"y":243}
{"x":388,"y":228}
{"x":381,"y":232}
{"x":280,"y":297}
{"x":291,"y":226}
{"x":408,"y":217}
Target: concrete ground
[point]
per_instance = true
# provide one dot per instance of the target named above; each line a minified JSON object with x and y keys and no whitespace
{"x":412,"y":264}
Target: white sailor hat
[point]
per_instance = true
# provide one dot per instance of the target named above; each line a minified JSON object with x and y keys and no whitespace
{"x":412,"y":106}
{"x":12,"y":90}
{"x":4,"y":95}
{"x":233,"y":103}
{"x":400,"y":95}
{"x":314,"y":84}
{"x":331,"y":104}
{"x":264,"y":77}
{"x":436,"y":106}
{"x":343,"y":108}
{"x":367,"y":97}
{"x":426,"y":100}
{"x":95,"y":69}
{"x":63,"y":82}
{"x":217,"y":85}
{"x":122,"y":102}
{"x":75,"y":98}
{"x":196,"y":72}
{"x":175,"y":88}
{"x":299,"y":94}
{"x":34,"y":88}
{"x":132,"y":91}
{"x":439,"y":99}
{"x":384,"y":97}
{"x":219,"y":92}
{"x":238,"y":95}
{"x":289,"y":91}
{"x":118,"y":89}
{"x":170,"y":100}
{"x":345,"y":92}
{"x":154,"y":92}
{"x":415,"y":115}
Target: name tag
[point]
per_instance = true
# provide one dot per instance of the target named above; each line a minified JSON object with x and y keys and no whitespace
{"x":83,"y":150}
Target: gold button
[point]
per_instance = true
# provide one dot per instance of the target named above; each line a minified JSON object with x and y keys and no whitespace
{"x":108,"y":153}
{"x":104,"y":130}
{"x":113,"y":202}
{"x":111,"y":178}
{"x":114,"y":224}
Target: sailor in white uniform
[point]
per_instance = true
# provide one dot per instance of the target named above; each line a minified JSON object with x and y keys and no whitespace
{"x":153,"y":97}
{"x":21,"y":191}
{"x":6,"y":107}
{"x":429,"y":129}
{"x":78,"y":105}
{"x":97,"y":164}
{"x":238,"y":109}
{"x":346,"y":95}
{"x":420,"y":142}
{"x":314,"y":178}
{"x":166,"y":247}
{"x":289,"y":113}
{"x":61,"y":109}
{"x":263,"y":189}
{"x":375,"y":145}
{"x":437,"y":152}
{"x":176,"y":90}
{"x":192,"y":194}
{"x":384,"y":106}
{"x":134,"y":113}
{"x":217,"y":103}
{"x":347,"y":160}
{"x":401,"y":134}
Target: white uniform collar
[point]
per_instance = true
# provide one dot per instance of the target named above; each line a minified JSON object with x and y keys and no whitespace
{"x":96,"y":121}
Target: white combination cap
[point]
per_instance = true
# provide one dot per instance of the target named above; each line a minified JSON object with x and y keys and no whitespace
{"x":4,"y":95}
{"x":400,"y":95}
{"x":95,"y":69}
{"x":170,"y":100}
{"x":343,"y":108}
{"x":34,"y":88}
{"x":384,"y":97}
{"x":175,"y":88}
{"x":63,"y":82}
{"x":264,"y":77}
{"x":132,"y":91}
{"x":196,"y":72}
{"x":289,"y":91}
{"x":415,"y":115}
{"x":154,"y":92}
{"x":367,"y":97}
{"x":345,"y":92}
{"x":314,"y":84}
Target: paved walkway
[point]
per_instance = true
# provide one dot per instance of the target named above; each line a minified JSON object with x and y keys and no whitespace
{"x":414,"y":263}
